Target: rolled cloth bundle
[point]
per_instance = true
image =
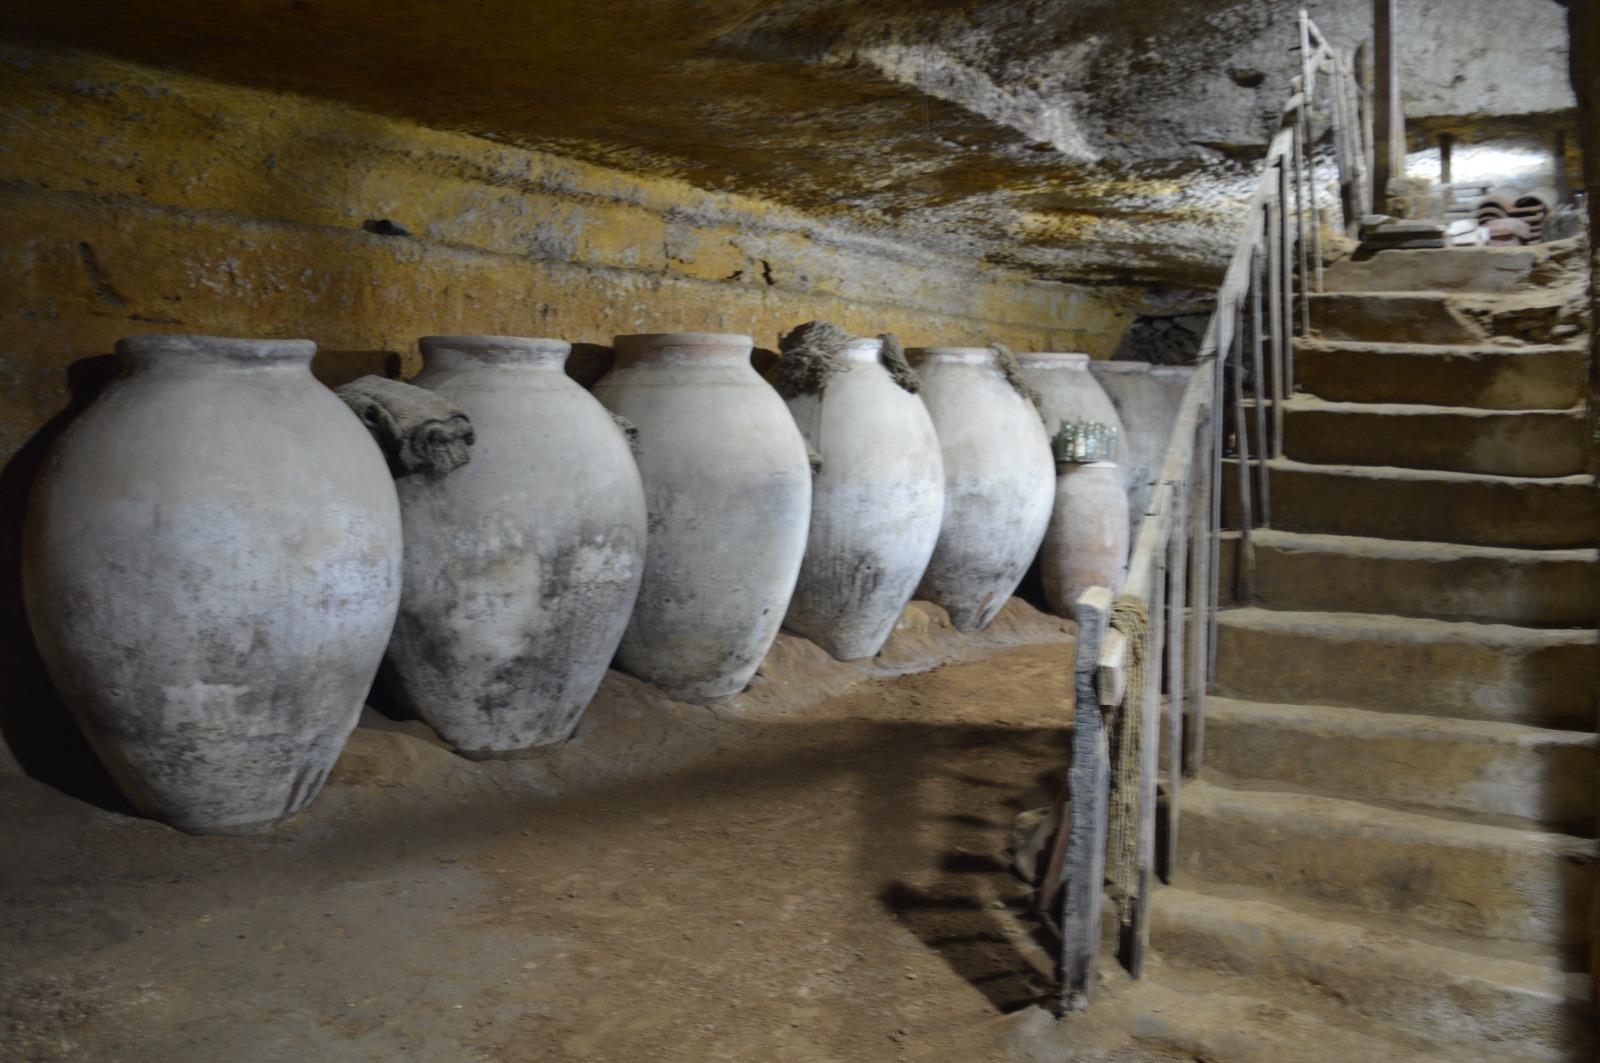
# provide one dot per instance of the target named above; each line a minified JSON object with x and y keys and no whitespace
{"x":417,"y":430}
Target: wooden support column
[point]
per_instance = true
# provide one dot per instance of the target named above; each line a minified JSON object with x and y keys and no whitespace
{"x":1178,"y":582}
{"x":1388,"y":121}
{"x":1089,"y":780}
{"x":1446,"y":143}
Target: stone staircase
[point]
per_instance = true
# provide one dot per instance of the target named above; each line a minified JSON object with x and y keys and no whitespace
{"x":1389,"y":853}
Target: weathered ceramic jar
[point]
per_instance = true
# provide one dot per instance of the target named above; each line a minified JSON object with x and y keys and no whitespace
{"x":727,"y":484}
{"x":1067,"y":390}
{"x":521,"y":567}
{"x":211,"y":571}
{"x":876,"y":505}
{"x":1147,"y":400}
{"x":999,"y":482}
{"x":1087,"y":544}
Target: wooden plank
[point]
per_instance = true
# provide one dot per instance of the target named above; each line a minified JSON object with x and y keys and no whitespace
{"x":1388,"y":122}
{"x":1300,"y":212}
{"x":1275,"y":318}
{"x":1285,"y":375}
{"x":1089,"y":781}
{"x":1244,"y":574}
{"x":1111,"y":674}
{"x":1136,"y":934}
{"x":1201,"y":588}
{"x":1177,"y":678}
{"x":1308,"y":140}
{"x":1259,"y":386}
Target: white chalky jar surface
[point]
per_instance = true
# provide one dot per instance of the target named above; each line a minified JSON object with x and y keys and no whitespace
{"x":999,"y":482}
{"x":522,"y":566}
{"x":211,"y":572}
{"x":728,"y":486}
{"x":876,"y":505}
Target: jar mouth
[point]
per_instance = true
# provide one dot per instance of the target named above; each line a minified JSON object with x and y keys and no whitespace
{"x":1053,"y":360}
{"x":165,"y":346}
{"x":503,"y":350}
{"x":678,"y":346}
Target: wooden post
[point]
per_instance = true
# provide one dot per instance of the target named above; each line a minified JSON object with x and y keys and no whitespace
{"x":1200,"y":594}
{"x":1136,"y":939}
{"x":1244,"y":571}
{"x":1090,"y":783}
{"x":1178,"y":578}
{"x":1258,"y":378}
{"x":1446,"y":143}
{"x":1388,"y":121}
{"x":1274,"y":384}
{"x":1285,"y":324}
{"x":1301,"y":212}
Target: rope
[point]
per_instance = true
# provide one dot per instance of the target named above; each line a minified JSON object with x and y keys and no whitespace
{"x":1129,"y":616}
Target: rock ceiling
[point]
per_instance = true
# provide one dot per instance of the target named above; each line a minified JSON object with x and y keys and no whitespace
{"x":1086,"y":140}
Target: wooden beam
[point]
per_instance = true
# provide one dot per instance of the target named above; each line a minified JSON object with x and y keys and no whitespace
{"x":1388,"y":121}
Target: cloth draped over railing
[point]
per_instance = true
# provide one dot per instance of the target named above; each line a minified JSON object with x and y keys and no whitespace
{"x":1160,"y":633}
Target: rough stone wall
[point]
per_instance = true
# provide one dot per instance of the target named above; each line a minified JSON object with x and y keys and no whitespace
{"x":136,"y":200}
{"x":133,"y":200}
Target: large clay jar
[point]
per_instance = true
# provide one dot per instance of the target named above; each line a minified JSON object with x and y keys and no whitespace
{"x":211,"y":568}
{"x":727,"y":483}
{"x":876,"y":505}
{"x":522,"y":566}
{"x":998,"y":477}
{"x":1087,"y":544}
{"x":1067,"y":390}
{"x":1147,"y":400}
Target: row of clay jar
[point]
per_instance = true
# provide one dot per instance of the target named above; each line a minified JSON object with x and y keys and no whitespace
{"x":217,"y":559}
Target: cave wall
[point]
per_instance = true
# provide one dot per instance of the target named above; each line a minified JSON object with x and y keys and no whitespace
{"x":134,"y":200}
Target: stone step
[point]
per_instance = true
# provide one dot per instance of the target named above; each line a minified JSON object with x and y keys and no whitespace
{"x":1196,"y":1014}
{"x":1473,"y":878}
{"x":1392,"y":317}
{"x":1447,"y":581}
{"x":1443,"y":989}
{"x":1446,"y":438}
{"x":1534,"y":676}
{"x":1385,"y":502}
{"x":1486,"y":767}
{"x":1453,"y":269}
{"x":1532,"y":377}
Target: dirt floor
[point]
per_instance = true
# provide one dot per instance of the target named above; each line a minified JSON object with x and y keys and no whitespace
{"x":776,"y":878}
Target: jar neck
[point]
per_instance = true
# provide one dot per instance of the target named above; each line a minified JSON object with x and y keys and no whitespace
{"x":166,"y":351}
{"x":861,"y":352}
{"x":684,"y":348}
{"x":452,"y":352}
{"x":1064,"y":360}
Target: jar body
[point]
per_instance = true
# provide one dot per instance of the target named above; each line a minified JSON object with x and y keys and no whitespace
{"x":522,"y":566}
{"x":999,"y":483}
{"x":1147,"y":399}
{"x":1068,"y":391}
{"x":1087,"y":543}
{"x":211,"y":571}
{"x":727,"y":486}
{"x":876,"y":507}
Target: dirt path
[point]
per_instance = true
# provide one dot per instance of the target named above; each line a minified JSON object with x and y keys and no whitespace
{"x":820,"y":883}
